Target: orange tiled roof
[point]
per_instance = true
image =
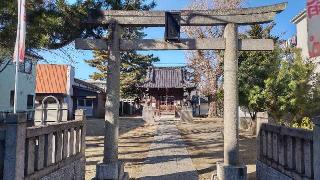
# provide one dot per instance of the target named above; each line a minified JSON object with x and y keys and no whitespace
{"x":51,"y":78}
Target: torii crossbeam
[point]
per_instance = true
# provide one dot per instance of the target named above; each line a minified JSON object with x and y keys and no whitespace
{"x":231,"y":44}
{"x":245,"y":16}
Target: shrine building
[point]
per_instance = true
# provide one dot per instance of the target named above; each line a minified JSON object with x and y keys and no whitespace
{"x":167,"y":89}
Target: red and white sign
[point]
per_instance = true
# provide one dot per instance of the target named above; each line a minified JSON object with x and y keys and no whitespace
{"x":313,"y":15}
{"x":19,"y":49}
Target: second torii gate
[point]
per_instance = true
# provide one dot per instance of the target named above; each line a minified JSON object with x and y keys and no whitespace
{"x":231,"y":19}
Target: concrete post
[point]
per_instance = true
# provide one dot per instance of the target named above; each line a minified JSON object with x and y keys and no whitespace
{"x":111,"y":168}
{"x":262,"y":117}
{"x":15,"y":146}
{"x":80,"y":115}
{"x":316,"y":148}
{"x":113,"y":98}
{"x":231,"y":102}
{"x":230,"y":169}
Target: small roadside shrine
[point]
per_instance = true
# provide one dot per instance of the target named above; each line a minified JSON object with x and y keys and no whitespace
{"x":111,"y":168}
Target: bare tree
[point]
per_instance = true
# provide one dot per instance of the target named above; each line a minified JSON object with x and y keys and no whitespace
{"x":207,"y":65}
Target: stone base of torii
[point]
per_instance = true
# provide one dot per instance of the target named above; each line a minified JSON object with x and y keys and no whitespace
{"x":228,"y":172}
{"x":111,"y":171}
{"x":230,"y":169}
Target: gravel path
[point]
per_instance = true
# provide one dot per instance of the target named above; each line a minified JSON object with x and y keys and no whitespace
{"x":168,"y":157}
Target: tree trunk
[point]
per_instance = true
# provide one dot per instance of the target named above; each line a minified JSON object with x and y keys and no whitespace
{"x":253,"y":127}
{"x":253,"y":123}
{"x":212,"y":106}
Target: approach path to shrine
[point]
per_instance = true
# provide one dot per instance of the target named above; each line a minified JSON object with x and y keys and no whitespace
{"x":168,"y":157}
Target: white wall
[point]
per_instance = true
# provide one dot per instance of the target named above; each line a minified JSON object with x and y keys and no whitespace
{"x":302,"y":37}
{"x":26,"y":87}
{"x":302,"y":41}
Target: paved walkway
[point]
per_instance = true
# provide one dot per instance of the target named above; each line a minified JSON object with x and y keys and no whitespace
{"x":168,"y":157}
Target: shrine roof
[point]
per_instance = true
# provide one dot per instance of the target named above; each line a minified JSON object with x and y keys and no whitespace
{"x":167,"y":77}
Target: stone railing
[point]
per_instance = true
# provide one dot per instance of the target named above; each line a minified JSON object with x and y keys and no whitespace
{"x":286,"y":153}
{"x":54,"y":151}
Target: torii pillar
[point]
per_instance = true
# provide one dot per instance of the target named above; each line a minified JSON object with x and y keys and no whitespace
{"x":111,"y":167}
{"x":230,"y":169}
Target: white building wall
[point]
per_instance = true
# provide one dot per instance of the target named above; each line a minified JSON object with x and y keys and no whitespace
{"x":26,"y":87}
{"x":302,"y":39}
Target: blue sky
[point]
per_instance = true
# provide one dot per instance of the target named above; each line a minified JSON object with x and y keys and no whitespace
{"x":284,"y":29}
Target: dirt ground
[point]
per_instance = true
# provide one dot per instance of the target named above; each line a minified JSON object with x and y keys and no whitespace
{"x":135,"y":139}
{"x":203,"y":137}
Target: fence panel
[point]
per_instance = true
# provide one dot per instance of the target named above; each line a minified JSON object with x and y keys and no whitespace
{"x":51,"y":146}
{"x":287,"y":150}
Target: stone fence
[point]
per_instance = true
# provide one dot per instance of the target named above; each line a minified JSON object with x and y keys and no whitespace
{"x":54,"y":151}
{"x":287,"y":153}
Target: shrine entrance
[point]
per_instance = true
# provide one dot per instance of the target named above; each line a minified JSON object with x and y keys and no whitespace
{"x":166,"y":104}
{"x":230,"y":44}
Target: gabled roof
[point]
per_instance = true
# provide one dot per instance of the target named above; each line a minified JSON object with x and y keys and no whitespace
{"x":167,"y":77}
{"x":78,"y":83}
{"x":51,"y":78}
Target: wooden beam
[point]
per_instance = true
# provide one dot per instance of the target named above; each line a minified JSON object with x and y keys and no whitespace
{"x":184,"y":44}
{"x":244,"y":16}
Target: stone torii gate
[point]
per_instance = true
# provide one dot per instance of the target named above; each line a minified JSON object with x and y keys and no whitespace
{"x":111,"y":168}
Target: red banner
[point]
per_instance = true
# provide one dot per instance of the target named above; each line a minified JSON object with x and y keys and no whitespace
{"x":19,"y":50}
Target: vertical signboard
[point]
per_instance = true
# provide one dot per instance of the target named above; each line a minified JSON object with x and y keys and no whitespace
{"x":313,"y":15}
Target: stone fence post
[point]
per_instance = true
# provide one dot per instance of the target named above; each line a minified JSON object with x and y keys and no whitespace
{"x":186,"y":114}
{"x":80,"y":115}
{"x":16,"y":125}
{"x":262,"y":117}
{"x":148,"y":114}
{"x":316,"y":148}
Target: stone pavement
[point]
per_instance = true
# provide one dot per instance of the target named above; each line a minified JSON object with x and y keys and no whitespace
{"x":168,"y":157}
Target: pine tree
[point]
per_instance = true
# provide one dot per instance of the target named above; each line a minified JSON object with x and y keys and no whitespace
{"x":133,"y":65}
{"x":50,"y":24}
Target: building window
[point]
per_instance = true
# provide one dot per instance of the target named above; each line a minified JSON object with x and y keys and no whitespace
{"x":89,"y":103}
{"x":11,"y":98}
{"x":30,"y":102}
{"x":80,"y":102}
{"x":26,"y":67}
